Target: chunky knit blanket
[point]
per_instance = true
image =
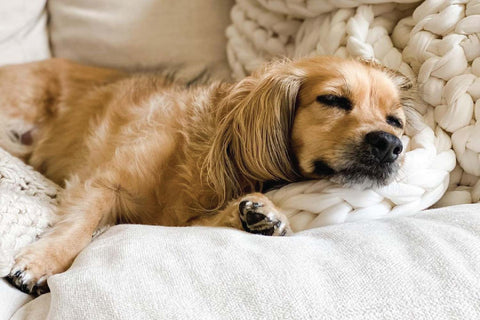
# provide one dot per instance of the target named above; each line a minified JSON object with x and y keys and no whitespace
{"x":27,"y":204}
{"x":435,"y":42}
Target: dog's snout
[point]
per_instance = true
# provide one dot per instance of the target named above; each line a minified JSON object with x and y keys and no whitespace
{"x":384,"y":146}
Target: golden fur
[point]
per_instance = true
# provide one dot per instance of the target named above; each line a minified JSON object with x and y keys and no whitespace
{"x":138,"y":149}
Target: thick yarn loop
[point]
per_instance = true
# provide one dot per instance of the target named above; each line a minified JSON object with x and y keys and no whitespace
{"x":444,"y":49}
{"x":435,"y":43}
{"x":27,"y":204}
{"x":311,"y":8}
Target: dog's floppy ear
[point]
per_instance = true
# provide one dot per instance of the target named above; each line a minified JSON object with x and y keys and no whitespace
{"x":253,"y":140}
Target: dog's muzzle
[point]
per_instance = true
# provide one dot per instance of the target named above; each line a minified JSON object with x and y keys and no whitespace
{"x":371,"y":163}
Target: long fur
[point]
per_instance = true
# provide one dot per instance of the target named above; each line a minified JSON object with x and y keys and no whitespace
{"x":145,"y":149}
{"x":252,"y":143}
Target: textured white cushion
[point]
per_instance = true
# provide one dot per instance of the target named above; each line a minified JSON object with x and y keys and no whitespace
{"x":420,"y":267}
{"x":10,"y":299}
{"x":23,"y":32}
{"x":140,"y":34}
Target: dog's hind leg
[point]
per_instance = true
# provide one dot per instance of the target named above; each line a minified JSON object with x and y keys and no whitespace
{"x":28,"y":94}
{"x":16,"y":137}
{"x":32,"y":94}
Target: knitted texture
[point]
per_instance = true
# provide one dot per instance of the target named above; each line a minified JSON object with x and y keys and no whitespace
{"x":435,"y":43}
{"x":27,"y":204}
{"x":444,"y":50}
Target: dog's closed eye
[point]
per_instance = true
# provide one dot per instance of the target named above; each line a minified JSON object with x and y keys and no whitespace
{"x":332,"y":100}
{"x":394,"y":122}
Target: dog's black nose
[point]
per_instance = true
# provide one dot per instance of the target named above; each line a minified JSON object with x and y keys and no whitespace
{"x":384,"y":146}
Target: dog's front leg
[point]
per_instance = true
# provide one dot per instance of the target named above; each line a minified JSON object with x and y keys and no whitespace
{"x":84,"y":206}
{"x":253,"y":212}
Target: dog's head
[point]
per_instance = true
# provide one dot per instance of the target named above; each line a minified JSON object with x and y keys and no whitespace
{"x":348,"y":121}
{"x":321,"y":117}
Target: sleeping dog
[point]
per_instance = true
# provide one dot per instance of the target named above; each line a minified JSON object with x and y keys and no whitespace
{"x":140,"y":149}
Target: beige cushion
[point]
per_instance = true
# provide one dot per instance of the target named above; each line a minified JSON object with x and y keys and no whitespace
{"x":23,"y":33}
{"x":424,"y":266}
{"x":140,"y":34}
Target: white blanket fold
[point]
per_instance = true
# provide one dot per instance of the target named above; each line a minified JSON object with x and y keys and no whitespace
{"x":421,"y":267}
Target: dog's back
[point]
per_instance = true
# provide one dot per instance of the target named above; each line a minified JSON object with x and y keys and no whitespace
{"x":74,"y":121}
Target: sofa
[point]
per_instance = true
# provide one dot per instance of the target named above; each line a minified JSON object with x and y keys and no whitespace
{"x":421,"y":265}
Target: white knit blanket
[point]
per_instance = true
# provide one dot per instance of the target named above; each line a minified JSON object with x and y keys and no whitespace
{"x":435,"y":42}
{"x":27,"y":204}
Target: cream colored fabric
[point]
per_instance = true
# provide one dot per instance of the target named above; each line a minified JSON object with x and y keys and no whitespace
{"x":420,"y":267}
{"x":11,"y":299}
{"x":35,"y":310}
{"x":23,"y":31}
{"x":140,"y":34}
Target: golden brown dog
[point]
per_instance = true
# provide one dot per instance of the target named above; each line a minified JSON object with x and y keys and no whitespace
{"x":137,"y":149}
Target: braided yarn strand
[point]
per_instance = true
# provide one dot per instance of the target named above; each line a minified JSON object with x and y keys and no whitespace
{"x":444,"y":49}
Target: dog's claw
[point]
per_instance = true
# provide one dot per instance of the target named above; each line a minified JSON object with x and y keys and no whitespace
{"x":25,"y":283}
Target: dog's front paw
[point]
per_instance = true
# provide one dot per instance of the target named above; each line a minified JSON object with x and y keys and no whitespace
{"x":26,"y":281}
{"x":29,"y":276}
{"x":33,"y":265}
{"x":261,"y":217}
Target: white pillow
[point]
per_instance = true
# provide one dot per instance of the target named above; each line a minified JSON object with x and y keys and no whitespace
{"x":12,"y":299}
{"x":23,"y":31}
{"x":140,"y":34}
{"x":420,"y":267}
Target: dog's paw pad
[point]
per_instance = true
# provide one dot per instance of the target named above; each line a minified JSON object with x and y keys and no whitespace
{"x":27,"y":282}
{"x":259,"y":218}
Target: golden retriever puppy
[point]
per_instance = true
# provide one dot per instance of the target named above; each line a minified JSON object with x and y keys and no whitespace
{"x":138,"y":149}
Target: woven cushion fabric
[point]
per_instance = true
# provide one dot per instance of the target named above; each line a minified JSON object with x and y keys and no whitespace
{"x":421,"y":267}
{"x":141,"y":34}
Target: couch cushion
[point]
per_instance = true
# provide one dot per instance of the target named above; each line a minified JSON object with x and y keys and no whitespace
{"x":420,"y":267}
{"x":11,"y":299}
{"x":23,"y":32}
{"x":140,"y":34}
